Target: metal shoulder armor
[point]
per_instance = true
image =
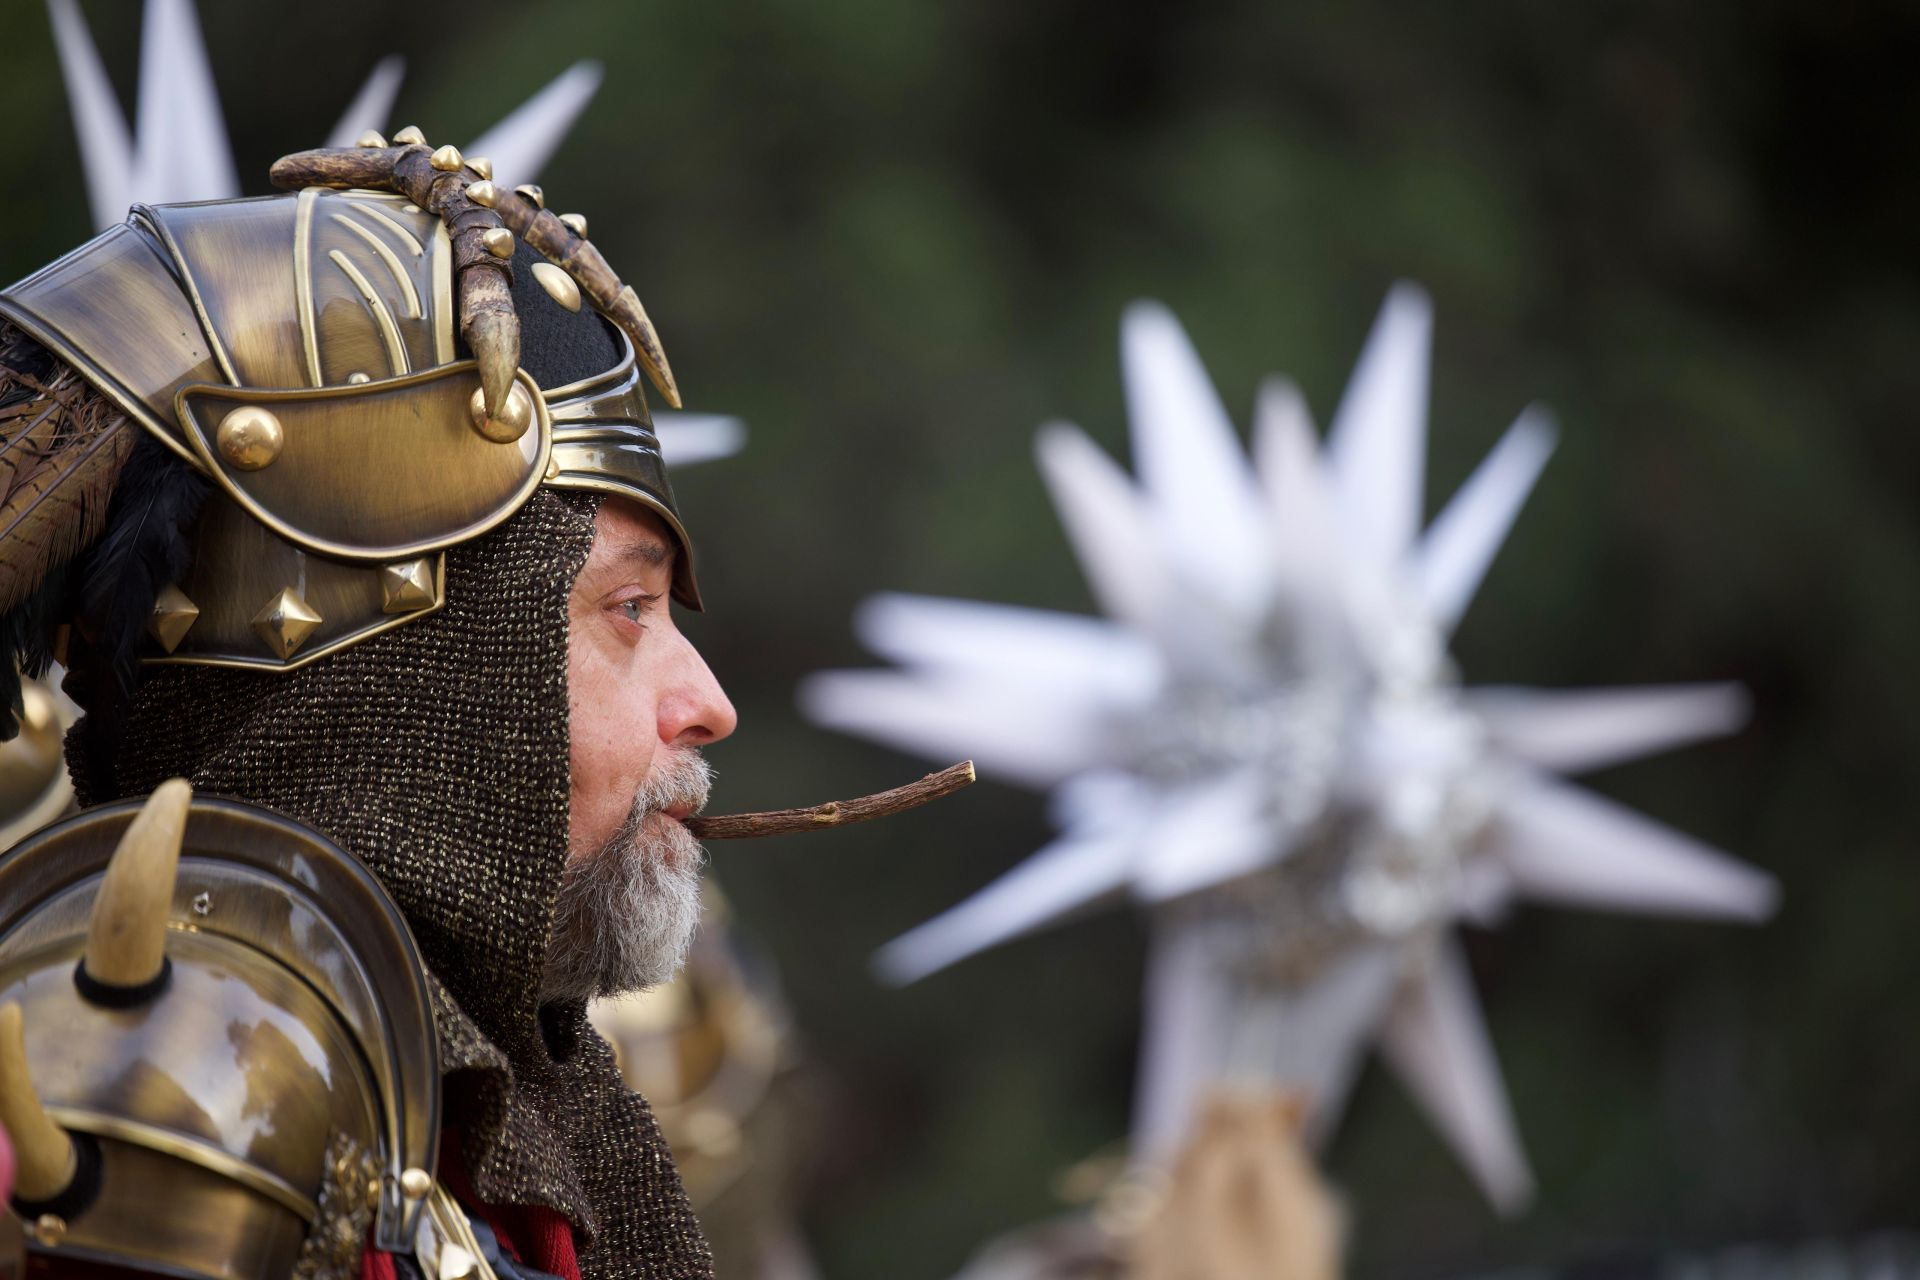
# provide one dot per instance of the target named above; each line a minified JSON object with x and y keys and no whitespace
{"x":217,"y":1055}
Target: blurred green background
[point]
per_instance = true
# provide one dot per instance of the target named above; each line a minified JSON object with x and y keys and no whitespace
{"x":897,"y":237}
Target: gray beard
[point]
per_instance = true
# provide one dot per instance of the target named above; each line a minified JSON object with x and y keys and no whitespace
{"x":628,"y":910}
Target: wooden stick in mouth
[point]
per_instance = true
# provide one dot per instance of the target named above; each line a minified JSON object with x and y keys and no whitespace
{"x":834,"y":813}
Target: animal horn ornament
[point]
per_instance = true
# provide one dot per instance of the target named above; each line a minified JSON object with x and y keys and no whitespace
{"x":45,"y":1163}
{"x":472,"y":208}
{"x":126,"y":957}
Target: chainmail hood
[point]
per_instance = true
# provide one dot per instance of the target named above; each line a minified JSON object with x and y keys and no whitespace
{"x":438,"y":754}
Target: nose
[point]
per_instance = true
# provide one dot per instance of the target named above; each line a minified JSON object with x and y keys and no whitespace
{"x":695,"y":710}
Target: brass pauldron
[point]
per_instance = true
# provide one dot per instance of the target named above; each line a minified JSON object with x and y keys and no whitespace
{"x":280,"y":1077}
{"x":299,"y":351}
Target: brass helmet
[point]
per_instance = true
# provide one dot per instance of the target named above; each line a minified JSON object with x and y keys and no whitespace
{"x":216,"y":1048}
{"x":298,"y":358}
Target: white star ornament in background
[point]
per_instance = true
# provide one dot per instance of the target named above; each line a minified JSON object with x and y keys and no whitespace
{"x":1265,"y":742}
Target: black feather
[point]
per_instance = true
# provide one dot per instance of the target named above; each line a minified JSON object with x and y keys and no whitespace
{"x":146,"y":546}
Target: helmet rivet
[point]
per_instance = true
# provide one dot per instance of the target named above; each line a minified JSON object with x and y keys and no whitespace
{"x":49,"y":1229}
{"x":415,"y":1183}
{"x":515,"y":416}
{"x":250,"y":437}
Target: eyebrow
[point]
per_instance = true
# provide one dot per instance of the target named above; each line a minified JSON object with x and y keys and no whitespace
{"x":649,"y":551}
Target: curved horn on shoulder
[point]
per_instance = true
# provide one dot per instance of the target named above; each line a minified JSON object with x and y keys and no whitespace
{"x":127,"y":935}
{"x":44,"y":1159}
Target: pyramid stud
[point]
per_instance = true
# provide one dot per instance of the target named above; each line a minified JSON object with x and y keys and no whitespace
{"x":576,"y":221}
{"x":285,"y":623}
{"x":371,"y":138}
{"x":482,"y":166}
{"x":483,"y":193}
{"x":173,"y":616}
{"x":499,"y":241}
{"x":410,"y":137}
{"x":407,"y":586}
{"x":446,"y":159}
{"x":532,"y":193}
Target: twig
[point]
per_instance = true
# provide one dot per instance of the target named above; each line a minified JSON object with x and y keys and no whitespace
{"x":835,"y":813}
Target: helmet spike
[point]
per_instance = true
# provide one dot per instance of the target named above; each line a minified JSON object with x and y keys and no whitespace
{"x":44,"y":1159}
{"x":127,"y":935}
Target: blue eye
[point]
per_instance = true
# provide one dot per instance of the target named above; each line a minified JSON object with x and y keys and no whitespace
{"x":636,"y":608}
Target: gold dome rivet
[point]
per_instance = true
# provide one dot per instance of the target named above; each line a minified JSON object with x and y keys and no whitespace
{"x":559,"y":285}
{"x":576,"y":221}
{"x":285,"y":622}
{"x":173,"y":616}
{"x":415,"y":1183}
{"x":499,"y":241}
{"x":484,"y":194}
{"x":407,"y":586}
{"x":553,"y":468}
{"x":250,"y":437}
{"x":358,"y":379}
{"x":371,"y":138}
{"x":481,"y":165}
{"x":530,"y":191}
{"x":410,"y":137}
{"x":447,"y":159}
{"x":515,"y":416}
{"x":373,"y":1193}
{"x":49,"y":1229}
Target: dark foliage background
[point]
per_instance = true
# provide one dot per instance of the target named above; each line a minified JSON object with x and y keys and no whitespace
{"x":895,"y":238}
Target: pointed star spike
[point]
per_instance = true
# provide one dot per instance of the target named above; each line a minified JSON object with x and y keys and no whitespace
{"x":1187,"y":1018}
{"x":1190,"y":461}
{"x":1436,"y":1041}
{"x":991,"y":718}
{"x":1090,"y":656}
{"x":1564,"y":844}
{"x":1212,"y":832}
{"x":1111,"y":533}
{"x":1066,"y":874}
{"x":182,"y":138}
{"x":1455,"y":553}
{"x":106,"y":145}
{"x":1574,"y":730}
{"x":687,"y":439}
{"x":632,"y":317}
{"x":368,"y":111}
{"x":1305,"y":529}
{"x":522,"y":143}
{"x":1378,"y":443}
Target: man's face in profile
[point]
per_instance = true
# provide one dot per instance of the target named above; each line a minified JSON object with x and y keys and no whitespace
{"x":643,"y":703}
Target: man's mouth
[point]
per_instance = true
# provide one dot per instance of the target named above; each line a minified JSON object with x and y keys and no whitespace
{"x":680,"y":812}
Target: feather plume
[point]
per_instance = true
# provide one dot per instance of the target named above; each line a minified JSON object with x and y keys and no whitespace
{"x":147,"y":545}
{"x":61,"y":449}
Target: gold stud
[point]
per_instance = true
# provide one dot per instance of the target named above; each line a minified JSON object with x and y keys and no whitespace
{"x":285,"y":623}
{"x":415,"y":1183}
{"x":410,"y":137}
{"x":515,"y":416}
{"x":173,"y":616}
{"x":482,"y":166}
{"x":559,"y":285}
{"x":499,"y":241}
{"x":531,"y":191}
{"x":250,"y":437}
{"x":553,"y":468}
{"x":446,"y":159}
{"x":407,"y":586}
{"x":576,"y":221}
{"x":483,"y":194}
{"x":371,"y":138}
{"x":358,"y":379}
{"x":49,"y":1229}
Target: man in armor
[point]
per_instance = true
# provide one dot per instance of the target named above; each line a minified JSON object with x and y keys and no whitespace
{"x":341,"y":507}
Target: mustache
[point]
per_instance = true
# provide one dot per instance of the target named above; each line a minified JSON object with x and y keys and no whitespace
{"x":679,"y":776}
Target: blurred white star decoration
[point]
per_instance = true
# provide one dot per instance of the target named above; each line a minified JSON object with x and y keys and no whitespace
{"x":1266,"y":743}
{"x":181,"y":153}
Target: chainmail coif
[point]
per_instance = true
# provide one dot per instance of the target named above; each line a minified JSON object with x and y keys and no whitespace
{"x":437,"y":753}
